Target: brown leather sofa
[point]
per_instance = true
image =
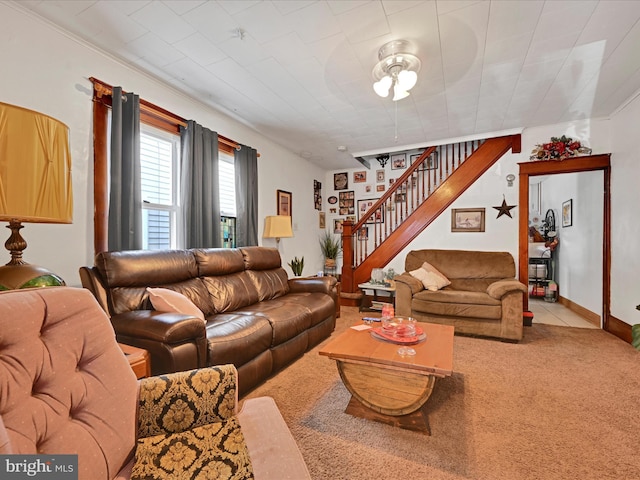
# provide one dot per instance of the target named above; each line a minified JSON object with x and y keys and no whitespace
{"x":255,"y":317}
{"x":484,"y":297}
{"x":67,"y":388}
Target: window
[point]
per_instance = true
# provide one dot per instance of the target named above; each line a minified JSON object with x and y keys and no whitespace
{"x":159,"y":162}
{"x":227,"y":190}
{"x":226,"y":170}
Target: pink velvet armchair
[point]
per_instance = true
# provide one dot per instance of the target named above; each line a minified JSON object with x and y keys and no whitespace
{"x":66,"y":388}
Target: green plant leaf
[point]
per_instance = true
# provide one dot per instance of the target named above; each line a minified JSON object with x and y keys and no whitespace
{"x":297,"y":266}
{"x":330,"y":245}
{"x":635,"y":335}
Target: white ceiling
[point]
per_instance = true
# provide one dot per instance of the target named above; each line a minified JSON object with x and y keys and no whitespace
{"x":301,"y":74}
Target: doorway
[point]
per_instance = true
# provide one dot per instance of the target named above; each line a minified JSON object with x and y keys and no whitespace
{"x":573,"y":165}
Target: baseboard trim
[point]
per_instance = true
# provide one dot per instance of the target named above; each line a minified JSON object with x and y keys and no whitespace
{"x":588,"y":315}
{"x":620,"y":329}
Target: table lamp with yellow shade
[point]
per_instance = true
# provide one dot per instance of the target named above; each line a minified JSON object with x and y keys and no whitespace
{"x":35,"y":186}
{"x":277,"y":226}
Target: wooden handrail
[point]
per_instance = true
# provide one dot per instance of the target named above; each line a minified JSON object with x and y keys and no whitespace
{"x":414,"y":186}
{"x":391,"y":191}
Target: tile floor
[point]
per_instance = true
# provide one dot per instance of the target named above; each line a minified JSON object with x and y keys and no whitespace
{"x":556,"y":314}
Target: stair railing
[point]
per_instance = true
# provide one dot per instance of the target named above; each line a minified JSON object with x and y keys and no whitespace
{"x":403,"y":197}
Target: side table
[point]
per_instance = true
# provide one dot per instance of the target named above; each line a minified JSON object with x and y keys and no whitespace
{"x":391,"y":290}
{"x":138,"y":360}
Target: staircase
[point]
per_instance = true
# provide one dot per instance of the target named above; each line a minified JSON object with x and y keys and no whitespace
{"x":428,"y":187}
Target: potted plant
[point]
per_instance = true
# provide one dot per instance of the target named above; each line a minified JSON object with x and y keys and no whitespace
{"x":330,"y":246}
{"x":297,"y":266}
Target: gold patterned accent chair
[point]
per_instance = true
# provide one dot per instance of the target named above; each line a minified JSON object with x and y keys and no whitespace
{"x":67,"y":388}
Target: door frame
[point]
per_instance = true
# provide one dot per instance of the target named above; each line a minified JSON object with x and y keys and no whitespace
{"x":588,"y":163}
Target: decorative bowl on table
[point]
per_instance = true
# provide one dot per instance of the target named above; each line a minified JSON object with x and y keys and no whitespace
{"x":389,"y":325}
{"x":405,"y":327}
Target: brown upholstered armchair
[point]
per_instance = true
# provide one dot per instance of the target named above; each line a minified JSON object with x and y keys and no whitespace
{"x":483,"y":297}
{"x":66,"y":388}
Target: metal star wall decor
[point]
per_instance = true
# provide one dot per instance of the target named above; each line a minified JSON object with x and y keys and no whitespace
{"x":504,"y":209}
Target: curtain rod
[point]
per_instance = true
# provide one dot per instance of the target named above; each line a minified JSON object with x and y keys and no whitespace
{"x":104,"y":89}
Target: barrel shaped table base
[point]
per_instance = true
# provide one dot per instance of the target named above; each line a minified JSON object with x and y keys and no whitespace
{"x":394,"y":396}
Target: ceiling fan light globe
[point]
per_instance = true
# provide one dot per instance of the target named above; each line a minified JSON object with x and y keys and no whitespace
{"x":399,"y":93}
{"x":382,"y":86}
{"x":407,"y":79}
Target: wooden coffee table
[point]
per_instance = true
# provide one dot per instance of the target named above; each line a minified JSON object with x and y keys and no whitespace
{"x":386,"y":387}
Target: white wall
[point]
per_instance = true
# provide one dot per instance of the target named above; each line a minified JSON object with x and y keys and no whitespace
{"x":500,"y":233}
{"x":48,"y":71}
{"x":577,"y":280}
{"x":578,"y":257}
{"x":625,"y":219}
{"x":487,"y":192}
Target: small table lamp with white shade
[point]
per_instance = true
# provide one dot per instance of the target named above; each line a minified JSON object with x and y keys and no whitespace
{"x":35,"y":186}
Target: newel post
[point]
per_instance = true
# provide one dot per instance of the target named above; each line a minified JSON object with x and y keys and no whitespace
{"x":346,"y":280}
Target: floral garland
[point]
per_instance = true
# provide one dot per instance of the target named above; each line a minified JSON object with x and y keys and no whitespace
{"x":559,"y":148}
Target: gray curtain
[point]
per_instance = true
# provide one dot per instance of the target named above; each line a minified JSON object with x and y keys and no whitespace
{"x":125,"y":198}
{"x":246,"y":169}
{"x":199,"y":186}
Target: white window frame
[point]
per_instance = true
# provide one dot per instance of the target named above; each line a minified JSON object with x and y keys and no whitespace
{"x":225,"y":158}
{"x":175,"y":222}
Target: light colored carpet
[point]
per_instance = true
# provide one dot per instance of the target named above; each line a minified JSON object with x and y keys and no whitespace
{"x":562,"y":404}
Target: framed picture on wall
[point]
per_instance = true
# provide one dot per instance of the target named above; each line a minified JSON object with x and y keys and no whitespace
{"x":317,"y":194}
{"x":359,"y":177}
{"x":567,"y":213}
{"x":429,"y":164}
{"x":340,"y":181}
{"x":398,"y":161}
{"x":365,"y":205}
{"x":346,"y":202}
{"x":467,"y":219}
{"x":284,"y":202}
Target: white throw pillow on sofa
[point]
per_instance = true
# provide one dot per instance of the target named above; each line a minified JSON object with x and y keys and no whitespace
{"x":431,"y":269}
{"x":430,"y":277}
{"x":165,"y":300}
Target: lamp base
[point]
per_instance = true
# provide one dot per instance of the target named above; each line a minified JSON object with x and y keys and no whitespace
{"x":13,"y":277}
